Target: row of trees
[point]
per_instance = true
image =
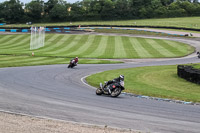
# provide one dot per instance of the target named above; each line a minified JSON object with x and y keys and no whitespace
{"x":14,"y":11}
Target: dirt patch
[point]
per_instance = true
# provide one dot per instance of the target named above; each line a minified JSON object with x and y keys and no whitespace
{"x":12,"y":123}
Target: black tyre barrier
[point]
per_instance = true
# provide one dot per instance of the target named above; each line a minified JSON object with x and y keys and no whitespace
{"x":189,"y":73}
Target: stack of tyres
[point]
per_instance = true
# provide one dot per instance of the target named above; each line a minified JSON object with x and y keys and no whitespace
{"x":189,"y":73}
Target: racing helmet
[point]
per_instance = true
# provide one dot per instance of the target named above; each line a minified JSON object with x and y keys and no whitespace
{"x":121,"y":77}
{"x":76,"y":57}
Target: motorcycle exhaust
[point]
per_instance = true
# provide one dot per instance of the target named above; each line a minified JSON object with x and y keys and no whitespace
{"x":101,"y":86}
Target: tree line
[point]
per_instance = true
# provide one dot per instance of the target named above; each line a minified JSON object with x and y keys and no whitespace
{"x":14,"y":11}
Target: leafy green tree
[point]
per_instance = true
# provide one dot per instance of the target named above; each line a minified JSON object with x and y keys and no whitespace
{"x":107,"y":10}
{"x":135,"y":6}
{"x":12,"y":11}
{"x":174,"y":10}
{"x":122,"y":10}
{"x":166,"y":2}
{"x":156,"y":4}
{"x":94,"y":10}
{"x":1,"y":13}
{"x":161,"y":12}
{"x":59,"y":12}
{"x":77,"y":12}
{"x":49,"y":5}
{"x":189,"y":7}
{"x":34,"y":10}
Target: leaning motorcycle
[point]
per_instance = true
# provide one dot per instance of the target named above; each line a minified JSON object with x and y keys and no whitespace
{"x":71,"y":64}
{"x":115,"y":88}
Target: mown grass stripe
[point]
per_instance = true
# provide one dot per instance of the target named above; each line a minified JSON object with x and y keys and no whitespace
{"x":110,"y":48}
{"x":166,"y":45}
{"x":179,"y":46}
{"x":100,"y":49}
{"x":65,"y":45}
{"x":17,"y":59}
{"x":29,"y":59}
{"x":151,"y":50}
{"x":49,"y":40}
{"x":23,"y":46}
{"x":75,"y":48}
{"x":12,"y":40}
{"x":54,"y":46}
{"x":5,"y":38}
{"x":84,"y":47}
{"x":32,"y":61}
{"x":70,"y":43}
{"x":128,"y":47}
{"x":93,"y":47}
{"x":119,"y":48}
{"x":162,"y":52}
{"x":18,"y":44}
{"x":141,"y":51}
{"x":6,"y":58}
{"x":48,"y":37}
{"x":59,"y":46}
{"x":49,"y":61}
{"x":104,"y":47}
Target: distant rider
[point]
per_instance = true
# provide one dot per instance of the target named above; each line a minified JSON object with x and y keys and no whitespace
{"x":198,"y":53}
{"x":76,"y":61}
{"x":116,"y":80}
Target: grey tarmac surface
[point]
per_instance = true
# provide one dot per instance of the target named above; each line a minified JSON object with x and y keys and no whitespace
{"x":54,"y":91}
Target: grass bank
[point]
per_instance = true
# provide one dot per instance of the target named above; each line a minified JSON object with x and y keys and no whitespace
{"x":184,"y":22}
{"x":155,"y":81}
{"x":16,"y":61}
{"x":94,"y":46}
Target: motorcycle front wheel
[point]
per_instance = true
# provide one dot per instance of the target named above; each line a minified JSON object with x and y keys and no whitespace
{"x":99,"y":91}
{"x":116,"y":92}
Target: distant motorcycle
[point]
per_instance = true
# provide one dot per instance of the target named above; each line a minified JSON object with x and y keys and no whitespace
{"x":115,"y":88}
{"x":72,"y":64}
{"x":198,"y":53}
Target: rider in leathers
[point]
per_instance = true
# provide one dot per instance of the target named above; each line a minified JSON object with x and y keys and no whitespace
{"x":76,"y":61}
{"x":116,"y":80}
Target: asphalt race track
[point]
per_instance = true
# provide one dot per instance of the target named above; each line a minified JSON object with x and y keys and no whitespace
{"x":56,"y":92}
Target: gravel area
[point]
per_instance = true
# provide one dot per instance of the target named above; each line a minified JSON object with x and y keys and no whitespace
{"x":15,"y":123}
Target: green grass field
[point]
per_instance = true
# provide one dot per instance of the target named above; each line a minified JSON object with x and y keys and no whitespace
{"x":156,"y":81}
{"x":185,"y":22}
{"x":16,"y":61}
{"x":94,"y":46}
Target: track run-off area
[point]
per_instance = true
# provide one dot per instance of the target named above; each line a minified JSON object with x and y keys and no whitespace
{"x":56,"y":92}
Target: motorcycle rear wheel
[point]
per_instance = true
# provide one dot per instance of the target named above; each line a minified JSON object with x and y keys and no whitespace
{"x":99,"y":91}
{"x":116,"y":92}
